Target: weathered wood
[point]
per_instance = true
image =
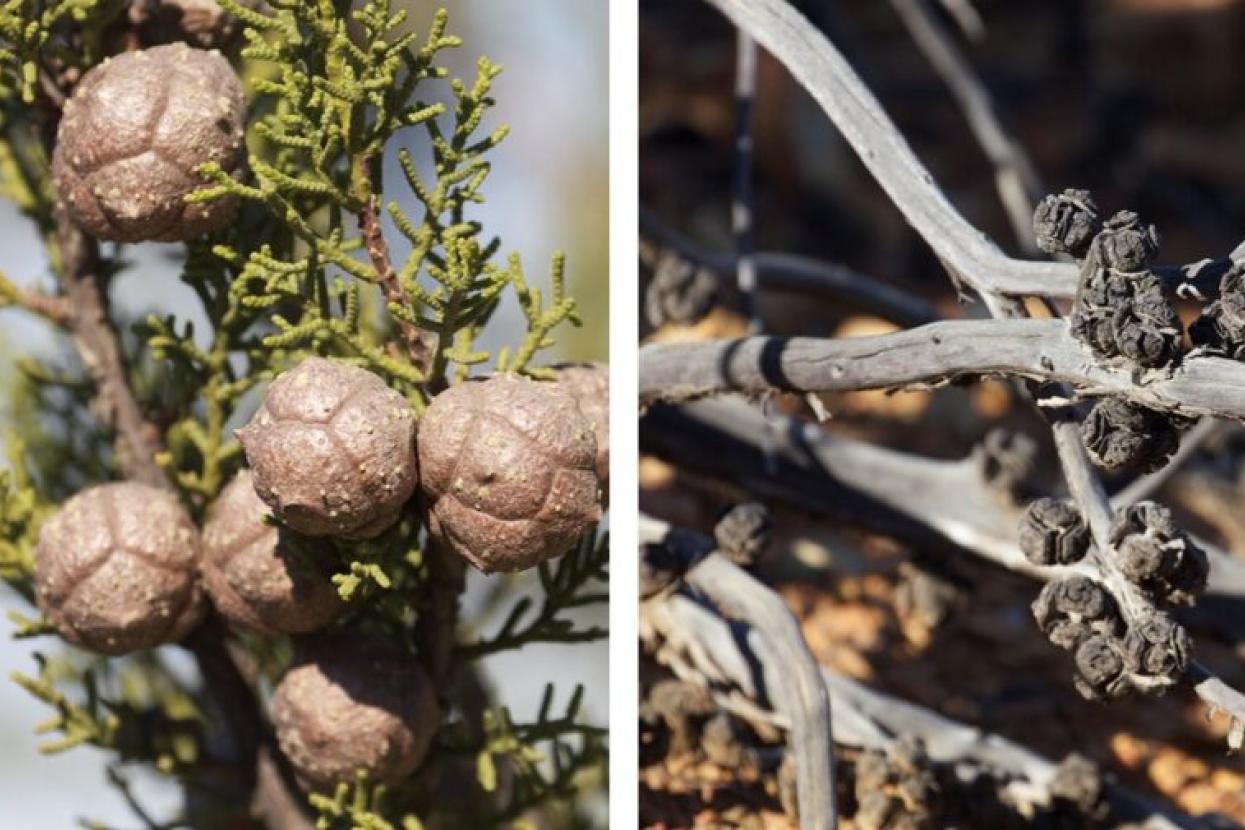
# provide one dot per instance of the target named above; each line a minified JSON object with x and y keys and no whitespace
{"x":818,"y":66}
{"x":703,"y":647}
{"x":798,"y":690}
{"x":933,"y":355}
{"x":940,"y":506}
{"x":1036,"y":350}
{"x":793,"y":273}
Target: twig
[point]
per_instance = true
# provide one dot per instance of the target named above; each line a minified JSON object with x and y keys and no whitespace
{"x":946,"y":507}
{"x":819,"y":67}
{"x":437,"y":628}
{"x":53,"y":308}
{"x":822,"y":70}
{"x":966,"y":17}
{"x":795,"y":273}
{"x":137,"y":440}
{"x":743,"y":195}
{"x":933,"y":355}
{"x":703,"y":648}
{"x":1014,"y":176}
{"x":1219,"y":696}
{"x":802,"y":696}
{"x":420,"y":344}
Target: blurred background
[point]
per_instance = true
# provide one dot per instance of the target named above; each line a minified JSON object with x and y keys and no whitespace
{"x":548,"y":192}
{"x":1140,"y":101}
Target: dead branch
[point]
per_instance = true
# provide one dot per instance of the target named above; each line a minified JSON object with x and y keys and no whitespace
{"x":680,"y":631}
{"x":947,"y":507}
{"x":932,"y":355}
{"x":1015,"y":178}
{"x":792,"y":273}
{"x":822,"y":70}
{"x":743,"y":187}
{"x":800,"y":695}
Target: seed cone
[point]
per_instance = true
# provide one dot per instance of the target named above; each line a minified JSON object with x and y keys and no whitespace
{"x":260,"y":576}
{"x":351,"y":704}
{"x":1158,"y":557}
{"x":133,"y":134}
{"x":116,"y":569}
{"x":589,"y":385}
{"x":1052,"y":532}
{"x":331,"y":450}
{"x":1066,"y":223}
{"x":743,"y":532}
{"x":1119,"y":434}
{"x":508,"y":465}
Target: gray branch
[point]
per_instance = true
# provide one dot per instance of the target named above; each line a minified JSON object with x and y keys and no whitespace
{"x":821,"y":69}
{"x":818,"y":66}
{"x":941,"y":506}
{"x":802,"y":698}
{"x":1014,"y":176}
{"x":743,"y":189}
{"x":945,"y":504}
{"x":934,"y":355}
{"x":703,"y":647}
{"x":783,"y":272}
{"x":943,"y":350}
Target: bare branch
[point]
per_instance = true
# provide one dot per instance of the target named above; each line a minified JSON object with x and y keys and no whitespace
{"x":1014,"y":176}
{"x":805,"y":466}
{"x":801,"y":274}
{"x":682,"y":632}
{"x":822,"y":70}
{"x":941,"y":506}
{"x":802,"y":696}
{"x":933,"y":355}
{"x":743,"y":196}
{"x":798,"y":364}
{"x":966,"y":17}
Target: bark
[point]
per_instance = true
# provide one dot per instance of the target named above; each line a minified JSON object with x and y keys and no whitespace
{"x":934,"y":355}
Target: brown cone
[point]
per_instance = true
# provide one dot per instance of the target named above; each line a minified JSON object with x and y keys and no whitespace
{"x":260,"y":576}
{"x":589,"y":385}
{"x":134,"y":132}
{"x":332,"y":451}
{"x":508,"y":465}
{"x":347,"y":705}
{"x":116,"y":569}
